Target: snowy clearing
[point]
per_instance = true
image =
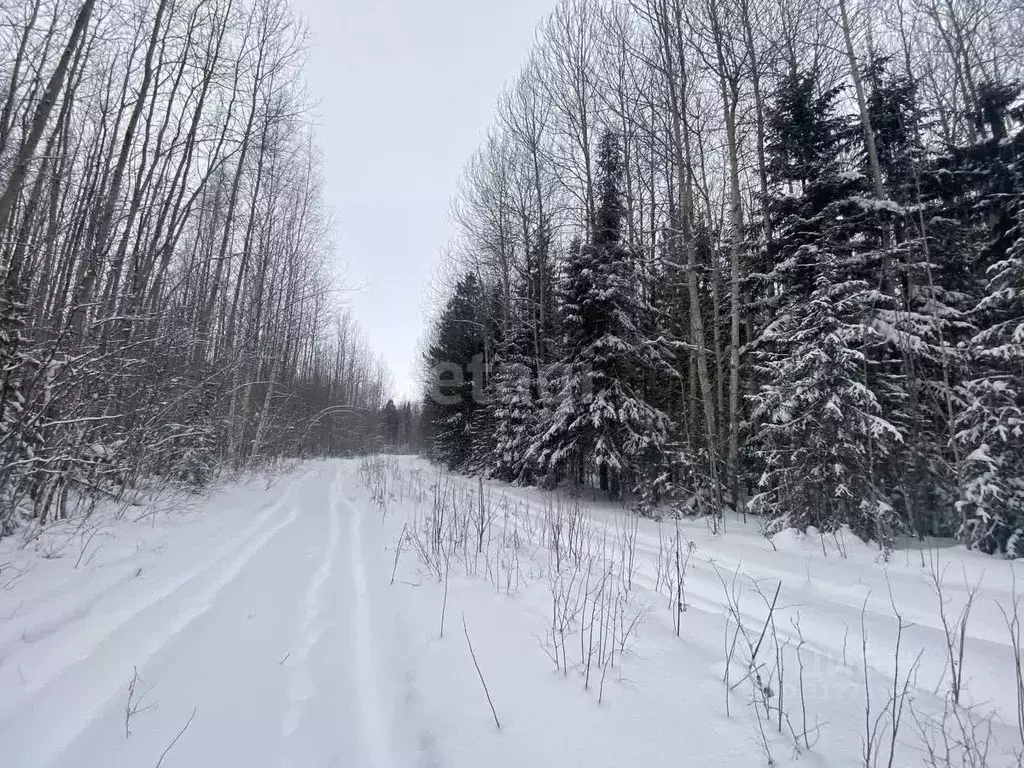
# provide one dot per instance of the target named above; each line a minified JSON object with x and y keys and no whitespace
{"x":352,"y":613}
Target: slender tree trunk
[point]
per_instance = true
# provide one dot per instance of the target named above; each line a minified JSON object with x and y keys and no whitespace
{"x":26,"y":153}
{"x":92,"y":263}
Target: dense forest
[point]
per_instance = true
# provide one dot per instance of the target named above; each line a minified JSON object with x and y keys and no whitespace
{"x":763,"y":256}
{"x":167,"y":306}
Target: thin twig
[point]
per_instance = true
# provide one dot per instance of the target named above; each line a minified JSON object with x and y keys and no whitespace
{"x":481,"y":674}
{"x":175,"y":741}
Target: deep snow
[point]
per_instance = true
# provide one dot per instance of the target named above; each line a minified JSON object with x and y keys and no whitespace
{"x":266,"y":622}
{"x":257,"y":612}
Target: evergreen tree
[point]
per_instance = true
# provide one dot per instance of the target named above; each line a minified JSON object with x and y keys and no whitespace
{"x":822,"y":433}
{"x":514,"y":404}
{"x":390,"y":424}
{"x":600,"y":418}
{"x":992,"y":424}
{"x":521,"y":365}
{"x":910,"y":375}
{"x":455,"y":361}
{"x":971,"y":196}
{"x":878,"y":357}
{"x":896,"y":118}
{"x":514,"y":410}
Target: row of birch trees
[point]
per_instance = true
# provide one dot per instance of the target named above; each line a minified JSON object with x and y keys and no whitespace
{"x":168,"y":307}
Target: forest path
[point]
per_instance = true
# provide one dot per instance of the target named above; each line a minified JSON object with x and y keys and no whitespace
{"x":263,"y":637}
{"x":294,"y":621}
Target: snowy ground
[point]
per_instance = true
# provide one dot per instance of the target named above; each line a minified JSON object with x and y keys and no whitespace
{"x":275,"y":626}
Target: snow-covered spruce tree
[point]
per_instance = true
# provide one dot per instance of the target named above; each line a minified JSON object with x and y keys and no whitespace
{"x":600,"y":419}
{"x":803,"y":137}
{"x":520,"y":366}
{"x":822,"y":436}
{"x":821,"y":432}
{"x":483,"y":425}
{"x":991,"y":425}
{"x":513,"y":412}
{"x":513,"y":404}
{"x":451,"y":406}
{"x":922,"y":321}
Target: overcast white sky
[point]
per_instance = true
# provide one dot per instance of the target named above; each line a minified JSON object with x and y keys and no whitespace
{"x":406,"y":89}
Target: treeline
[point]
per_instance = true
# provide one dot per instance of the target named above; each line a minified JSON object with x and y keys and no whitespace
{"x":401,"y":427}
{"x":765,"y":255}
{"x":167,"y":305}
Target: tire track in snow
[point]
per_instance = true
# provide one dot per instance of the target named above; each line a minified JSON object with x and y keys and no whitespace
{"x":77,"y":692}
{"x":300,"y":683}
{"x":61,"y":610}
{"x":376,"y":745}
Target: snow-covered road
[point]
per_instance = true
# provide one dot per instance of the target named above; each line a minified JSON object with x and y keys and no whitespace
{"x":323,"y":617}
{"x":260,"y":621}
